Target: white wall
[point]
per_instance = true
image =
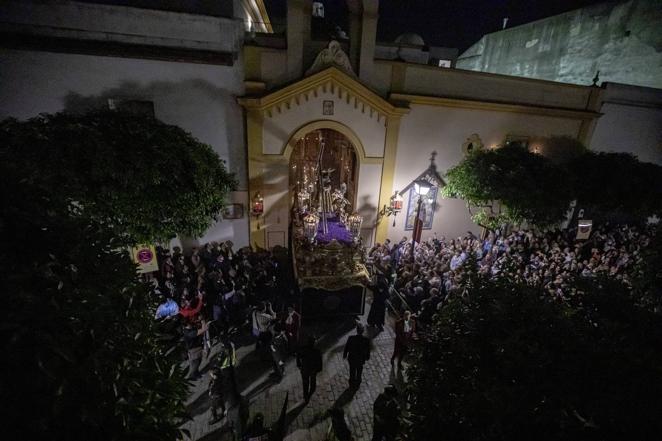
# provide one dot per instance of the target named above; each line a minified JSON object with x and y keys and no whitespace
{"x":631,"y":122}
{"x":199,"y":98}
{"x":444,"y":130}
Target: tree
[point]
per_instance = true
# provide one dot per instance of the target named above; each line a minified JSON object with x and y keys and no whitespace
{"x":560,"y":149}
{"x":84,"y":358}
{"x":141,"y":178}
{"x":510,"y":185}
{"x":505,"y":361}
{"x":616,"y":185}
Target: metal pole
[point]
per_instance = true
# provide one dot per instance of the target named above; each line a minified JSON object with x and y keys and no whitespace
{"x":416,"y":221}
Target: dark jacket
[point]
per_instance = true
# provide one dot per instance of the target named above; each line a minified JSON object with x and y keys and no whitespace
{"x":309,"y":360}
{"x":216,"y":387}
{"x":357,"y":349}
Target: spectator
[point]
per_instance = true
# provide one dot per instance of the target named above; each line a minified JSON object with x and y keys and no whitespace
{"x":278,"y":350}
{"x":405,"y":330}
{"x":338,"y":429}
{"x":193,"y":340}
{"x":309,"y":362}
{"x":215,"y":391}
{"x":386,"y":413}
{"x":357,"y":352}
{"x":263,"y":317}
{"x":292,"y":326}
{"x":167,"y":309}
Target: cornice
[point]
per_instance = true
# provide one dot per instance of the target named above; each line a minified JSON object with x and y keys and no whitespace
{"x":495,"y":106}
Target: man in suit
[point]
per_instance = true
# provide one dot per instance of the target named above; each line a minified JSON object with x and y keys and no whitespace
{"x":357,"y":352}
{"x":309,"y":361}
{"x":405,"y":331}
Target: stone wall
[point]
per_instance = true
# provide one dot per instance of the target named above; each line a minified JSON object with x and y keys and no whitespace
{"x":622,"y":40}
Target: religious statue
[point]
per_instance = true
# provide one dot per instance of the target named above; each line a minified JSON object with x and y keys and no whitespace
{"x":340,"y":203}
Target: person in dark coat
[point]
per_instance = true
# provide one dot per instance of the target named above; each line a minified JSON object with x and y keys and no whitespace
{"x":386,"y":411}
{"x":378,"y":307}
{"x":216,"y":396}
{"x":357,"y":352}
{"x":309,"y":362}
{"x":194,"y":345}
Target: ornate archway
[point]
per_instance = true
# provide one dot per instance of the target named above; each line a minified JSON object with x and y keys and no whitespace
{"x":339,"y":155}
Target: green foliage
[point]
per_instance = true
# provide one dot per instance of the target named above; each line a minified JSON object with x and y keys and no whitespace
{"x":84,"y":357}
{"x":647,"y":277}
{"x":510,"y":185}
{"x":561,"y":149}
{"x":506,"y":362}
{"x":616,"y":184}
{"x":143,"y":179}
{"x":513,"y":185}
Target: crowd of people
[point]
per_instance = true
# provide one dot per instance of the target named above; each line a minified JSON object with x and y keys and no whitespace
{"x":215,"y":291}
{"x":213,"y":294}
{"x":549,"y":259}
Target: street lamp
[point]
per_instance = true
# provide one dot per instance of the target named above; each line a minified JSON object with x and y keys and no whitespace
{"x":422,"y":188}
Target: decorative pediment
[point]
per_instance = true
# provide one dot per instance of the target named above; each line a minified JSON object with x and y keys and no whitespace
{"x":331,"y":56}
{"x":330,"y":80}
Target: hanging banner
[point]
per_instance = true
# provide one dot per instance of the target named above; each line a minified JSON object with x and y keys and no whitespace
{"x":145,"y":257}
{"x":584,"y":229}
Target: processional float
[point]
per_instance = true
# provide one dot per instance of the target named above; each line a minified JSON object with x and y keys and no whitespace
{"x":329,"y":258}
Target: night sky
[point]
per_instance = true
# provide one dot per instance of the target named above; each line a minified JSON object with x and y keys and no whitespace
{"x":458,"y":23}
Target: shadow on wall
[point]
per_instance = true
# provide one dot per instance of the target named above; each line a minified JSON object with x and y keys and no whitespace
{"x":208,"y":112}
{"x":368,"y":210}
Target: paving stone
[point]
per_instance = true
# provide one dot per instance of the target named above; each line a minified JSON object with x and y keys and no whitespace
{"x":308,"y":422}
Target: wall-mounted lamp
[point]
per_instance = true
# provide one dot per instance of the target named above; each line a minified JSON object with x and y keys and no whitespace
{"x":394,"y":206}
{"x":257,"y":207}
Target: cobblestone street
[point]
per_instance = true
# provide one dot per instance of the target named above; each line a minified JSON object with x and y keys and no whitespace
{"x":263,"y":393}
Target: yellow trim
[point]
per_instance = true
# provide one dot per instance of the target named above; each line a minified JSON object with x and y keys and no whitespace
{"x":328,"y":77}
{"x":265,"y":16}
{"x":252,"y":63}
{"x":254,"y":120}
{"x":286,"y":151}
{"x":495,"y":106}
{"x":388,"y":173}
{"x":398,"y":77}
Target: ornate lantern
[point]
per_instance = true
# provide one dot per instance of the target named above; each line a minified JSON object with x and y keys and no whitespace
{"x":355,"y":221}
{"x":396,"y":203}
{"x":310,"y":223}
{"x":302,"y":198}
{"x":257,"y":207}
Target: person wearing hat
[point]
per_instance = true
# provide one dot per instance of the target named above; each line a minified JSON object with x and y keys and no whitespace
{"x":386,"y":411}
{"x":357,"y":352}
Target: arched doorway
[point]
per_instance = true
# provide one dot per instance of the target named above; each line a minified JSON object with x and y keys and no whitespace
{"x":339,"y":155}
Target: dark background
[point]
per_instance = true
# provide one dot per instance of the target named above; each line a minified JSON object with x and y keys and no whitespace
{"x":445,"y":23}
